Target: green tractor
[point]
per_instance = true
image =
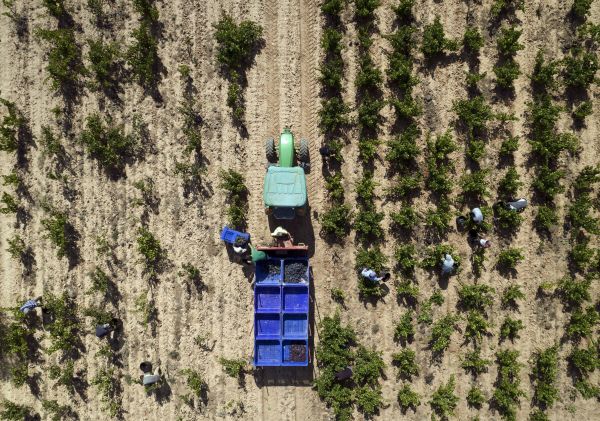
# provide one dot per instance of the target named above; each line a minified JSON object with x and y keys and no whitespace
{"x":285,"y":183}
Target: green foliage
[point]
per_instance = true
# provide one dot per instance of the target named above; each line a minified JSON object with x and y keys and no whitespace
{"x":338,"y":295}
{"x":51,"y":144}
{"x":544,"y":74}
{"x":404,"y":185}
{"x":475,"y":149}
{"x":55,"y":8}
{"x":439,"y":218}
{"x":579,"y":215}
{"x":435,"y":42}
{"x":400,"y":68}
{"x":65,"y":324}
{"x":582,"y":323}
{"x":236,"y":42}
{"x":473,"y":113}
{"x":103,"y":61}
{"x":581,"y":8}
{"x":574,"y":292}
{"x":333,"y":7}
{"x":108,"y":388}
{"x":477,"y":326}
{"x":98,"y":315}
{"x":509,"y":258}
{"x":473,"y":362}
{"x":332,"y":74}
{"x":367,"y":223}
{"x":475,"y":397}
{"x":405,"y":361}
{"x":407,"y":290}
{"x":546,"y":217}
{"x":441,"y":332}
{"x":403,"y":150}
{"x":444,"y":401}
{"x":100,"y":281}
{"x":507,"y":394}
{"x":506,"y":73}
{"x":369,"y":76}
{"x":545,"y":371}
{"x":145,"y":308}
{"x":10,"y":127}
{"x":408,"y":398}
{"x":507,"y":219}
{"x":472,"y":40}
{"x":142,"y":56}
{"x":365,"y":9}
{"x":233,"y":368}
{"x":16,"y":247}
{"x":336,"y":220}
{"x":511,"y":294}
{"x":508,"y":42}
{"x":503,"y":6}
{"x":14,"y":412}
{"x":150,"y":249}
{"x":474,"y":184}
{"x":585,"y":360}
{"x":56,"y":411}
{"x":434,"y":255}
{"x":333,"y":115}
{"x":405,"y":258}
{"x":438,"y":165}
{"x":547,"y":182}
{"x":368,"y":400}
{"x":60,"y":232}
{"x":579,"y":69}
{"x":95,"y":7}
{"x":581,"y":255}
{"x":63,"y":374}
{"x":586,"y":179}
{"x":195,"y":382}
{"x":587,"y":390}
{"x":147,"y":9}
{"x":406,"y":218}
{"x":107,"y":143}
{"x":404,"y":328}
{"x":510,"y":328}
{"x":64,"y":65}
{"x":584,"y":109}
{"x":331,"y":41}
{"x":10,"y":204}
{"x":475,"y":296}
{"x":368,"y":112}
{"x":365,"y":188}
{"x":368,"y":366}
{"x":509,"y":146}
{"x":233,"y":183}
{"x":510,"y":184}
{"x":370,"y":258}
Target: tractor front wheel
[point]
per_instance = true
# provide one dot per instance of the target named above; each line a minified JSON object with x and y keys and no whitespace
{"x":303,"y":154}
{"x":270,"y":150}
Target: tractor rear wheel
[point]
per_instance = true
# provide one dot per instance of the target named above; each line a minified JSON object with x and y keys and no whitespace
{"x":270,"y":150}
{"x":303,"y":154}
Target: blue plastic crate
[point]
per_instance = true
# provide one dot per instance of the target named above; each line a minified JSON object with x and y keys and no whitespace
{"x":262,"y":275}
{"x":301,"y":355}
{"x":304,"y":279}
{"x":267,"y":324}
{"x":295,"y":325}
{"x":295,"y":299}
{"x":267,"y":352}
{"x":229,"y":235}
{"x":267,"y":299}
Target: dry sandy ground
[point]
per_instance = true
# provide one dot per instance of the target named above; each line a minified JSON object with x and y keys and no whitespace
{"x":282,"y":90}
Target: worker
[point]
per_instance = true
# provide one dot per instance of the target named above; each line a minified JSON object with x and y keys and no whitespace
{"x":280,"y":232}
{"x":240,"y":245}
{"x":30,"y":305}
{"x":255,"y":256}
{"x":371,"y":275}
{"x":325,"y":151}
{"x":476,"y":215}
{"x":484,"y":243}
{"x":447,"y":264}
{"x":103,"y":330}
{"x":149,"y":378}
{"x":518,"y":205}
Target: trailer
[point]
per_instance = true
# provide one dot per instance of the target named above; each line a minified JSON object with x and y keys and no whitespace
{"x":282,"y":306}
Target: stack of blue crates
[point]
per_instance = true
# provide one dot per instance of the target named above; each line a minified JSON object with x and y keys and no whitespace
{"x":281,"y":308}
